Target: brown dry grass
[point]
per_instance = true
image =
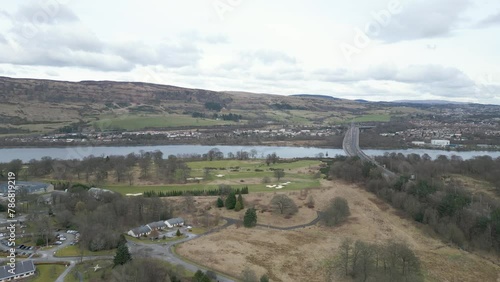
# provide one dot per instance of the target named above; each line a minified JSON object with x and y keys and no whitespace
{"x":296,"y":255}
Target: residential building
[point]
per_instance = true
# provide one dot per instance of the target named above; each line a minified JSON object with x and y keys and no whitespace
{"x":174,"y":222}
{"x":23,"y":269}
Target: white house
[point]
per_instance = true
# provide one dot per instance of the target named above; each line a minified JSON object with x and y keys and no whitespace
{"x":178,"y":221}
{"x":23,"y":269}
{"x":140,"y":231}
{"x":440,"y":143}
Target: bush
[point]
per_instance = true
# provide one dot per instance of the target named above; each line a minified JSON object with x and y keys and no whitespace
{"x":266,"y":180}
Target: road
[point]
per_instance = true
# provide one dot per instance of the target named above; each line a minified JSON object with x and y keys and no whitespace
{"x":351,"y":148}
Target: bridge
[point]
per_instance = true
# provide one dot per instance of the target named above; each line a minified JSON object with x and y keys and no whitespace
{"x":351,"y":148}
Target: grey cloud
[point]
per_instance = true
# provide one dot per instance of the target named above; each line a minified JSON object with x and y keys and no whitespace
{"x":45,"y":12}
{"x":491,"y":20}
{"x":3,"y":40}
{"x":167,"y":54}
{"x":421,"y":19}
{"x":433,"y":79}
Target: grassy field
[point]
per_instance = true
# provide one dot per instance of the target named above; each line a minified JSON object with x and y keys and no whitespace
{"x":373,"y":117}
{"x":299,"y":174}
{"x":296,"y":255}
{"x":106,"y":271}
{"x":296,"y":184}
{"x":134,"y":122}
{"x":47,"y":272}
{"x":74,"y":251}
{"x":87,"y":271}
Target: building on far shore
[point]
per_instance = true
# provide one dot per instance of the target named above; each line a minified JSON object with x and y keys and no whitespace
{"x":440,"y":143}
{"x":418,"y":143}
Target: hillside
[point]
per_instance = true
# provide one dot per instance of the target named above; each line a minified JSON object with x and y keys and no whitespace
{"x":40,"y":106}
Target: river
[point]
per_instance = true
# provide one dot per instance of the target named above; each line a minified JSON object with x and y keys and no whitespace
{"x":26,"y":154}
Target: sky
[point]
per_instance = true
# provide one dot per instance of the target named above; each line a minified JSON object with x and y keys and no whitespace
{"x":377,"y":50}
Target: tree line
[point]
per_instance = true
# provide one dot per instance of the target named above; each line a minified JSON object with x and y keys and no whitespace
{"x":429,"y":192}
{"x":392,"y":261}
{"x":212,"y":192}
{"x":98,"y":169}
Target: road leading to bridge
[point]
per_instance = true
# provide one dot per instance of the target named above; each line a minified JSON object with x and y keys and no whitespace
{"x":351,"y":148}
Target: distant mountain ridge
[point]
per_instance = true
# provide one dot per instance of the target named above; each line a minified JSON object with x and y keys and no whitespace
{"x":428,"y":102}
{"x":316,"y":96}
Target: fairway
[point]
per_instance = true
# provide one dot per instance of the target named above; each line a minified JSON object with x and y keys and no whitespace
{"x":133,"y":122}
{"x":237,"y":174}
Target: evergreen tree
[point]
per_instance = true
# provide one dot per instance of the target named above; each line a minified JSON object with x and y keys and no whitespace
{"x":178,"y":233}
{"x":231,"y":201}
{"x":238,"y":207}
{"x":122,"y":255}
{"x":264,"y":278}
{"x":240,"y":199}
{"x":121,"y":241}
{"x":220,"y":203}
{"x":250,"y":219}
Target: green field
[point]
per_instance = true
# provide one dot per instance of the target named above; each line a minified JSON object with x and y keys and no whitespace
{"x":297,"y":184}
{"x":47,"y":272}
{"x":74,"y":251}
{"x":134,"y":122}
{"x":374,"y":118}
{"x":244,"y":176}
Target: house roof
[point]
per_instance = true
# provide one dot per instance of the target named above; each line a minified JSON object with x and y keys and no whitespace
{"x":175,"y":220}
{"x":157,"y":224}
{"x":141,"y":230}
{"x":22,"y":267}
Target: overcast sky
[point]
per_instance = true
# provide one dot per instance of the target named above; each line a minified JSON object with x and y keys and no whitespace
{"x":359,"y":49}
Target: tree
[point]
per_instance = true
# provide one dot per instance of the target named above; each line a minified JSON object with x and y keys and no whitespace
{"x":199,"y":276}
{"x":310,"y":202}
{"x":279,"y":173}
{"x":178,"y":233}
{"x":264,"y":278}
{"x":237,"y":207}
{"x":220,"y":203}
{"x":240,"y":200}
{"x":231,"y":201}
{"x":283,"y":204}
{"x":344,"y":255}
{"x":122,"y":255}
{"x":121,"y":240}
{"x":250,"y":218}
{"x":336,"y":212}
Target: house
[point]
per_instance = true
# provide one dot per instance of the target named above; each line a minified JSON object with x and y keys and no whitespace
{"x":23,"y":269}
{"x":157,"y":225}
{"x":174,"y":222}
{"x":140,"y":231}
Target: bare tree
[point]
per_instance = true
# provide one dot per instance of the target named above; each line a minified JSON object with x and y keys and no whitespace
{"x":283,"y":204}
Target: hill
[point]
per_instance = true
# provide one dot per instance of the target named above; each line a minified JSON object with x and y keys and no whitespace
{"x":40,"y":106}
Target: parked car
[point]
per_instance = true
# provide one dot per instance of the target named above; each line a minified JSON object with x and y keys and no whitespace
{"x":57,"y":243}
